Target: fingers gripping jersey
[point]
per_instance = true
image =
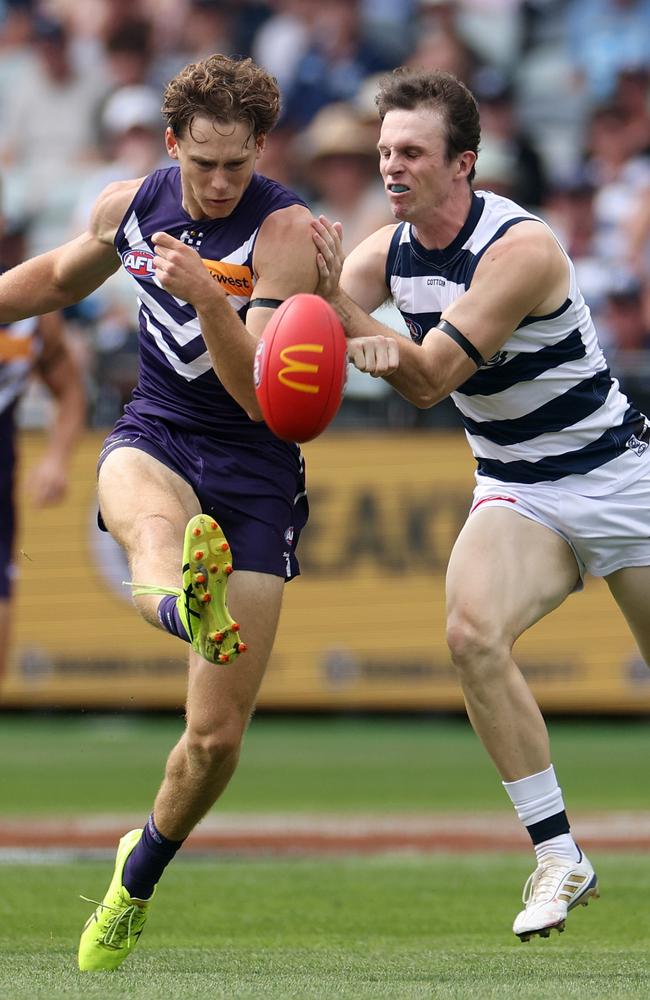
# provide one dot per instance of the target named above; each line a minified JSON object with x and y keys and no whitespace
{"x":545,"y":408}
{"x":176,"y":379}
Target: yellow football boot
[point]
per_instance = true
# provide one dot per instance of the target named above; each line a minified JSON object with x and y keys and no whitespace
{"x":113,"y":930}
{"x":207,"y":564}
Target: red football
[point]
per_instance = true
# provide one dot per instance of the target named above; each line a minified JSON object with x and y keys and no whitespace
{"x":300,"y":368}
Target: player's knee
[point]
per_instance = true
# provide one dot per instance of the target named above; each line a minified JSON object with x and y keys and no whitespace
{"x":212,"y":750}
{"x":474,"y":641}
{"x":155,"y":530}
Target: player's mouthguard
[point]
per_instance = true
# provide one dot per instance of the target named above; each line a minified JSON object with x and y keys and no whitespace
{"x":397,"y":188}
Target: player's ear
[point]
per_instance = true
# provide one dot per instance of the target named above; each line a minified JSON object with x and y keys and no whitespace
{"x":171,"y":144}
{"x":465,"y":162}
{"x":260,"y":143}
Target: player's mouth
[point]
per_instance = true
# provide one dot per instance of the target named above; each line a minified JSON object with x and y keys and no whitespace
{"x":398,"y":188}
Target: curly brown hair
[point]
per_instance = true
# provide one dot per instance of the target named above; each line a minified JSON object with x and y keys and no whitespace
{"x":227,"y":90}
{"x":406,"y":89}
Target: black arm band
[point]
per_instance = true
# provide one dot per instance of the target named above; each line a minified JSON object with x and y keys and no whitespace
{"x":462,"y":341}
{"x":265,"y":303}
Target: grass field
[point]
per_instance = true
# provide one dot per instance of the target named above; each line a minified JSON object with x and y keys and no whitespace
{"x":392,"y":926}
{"x":358,"y":928}
{"x":106,"y":764}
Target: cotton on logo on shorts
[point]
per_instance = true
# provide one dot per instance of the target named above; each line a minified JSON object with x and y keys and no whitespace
{"x":288,"y":536}
{"x":138,"y":262}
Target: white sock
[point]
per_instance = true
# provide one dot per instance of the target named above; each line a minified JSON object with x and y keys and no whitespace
{"x":539,"y":797}
{"x":562,"y":846}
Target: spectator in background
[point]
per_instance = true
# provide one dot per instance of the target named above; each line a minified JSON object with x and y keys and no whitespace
{"x":129,"y":53}
{"x":33,"y":347}
{"x":632,"y":98}
{"x":15,"y":49}
{"x":48,"y":138}
{"x":205,"y":26}
{"x":131,"y":128}
{"x":621,"y":176}
{"x":439,"y":45}
{"x":284,"y":38}
{"x":335,"y":64}
{"x":338,"y":154}
{"x":625,"y":324}
{"x":569,"y":210}
{"x":501,"y":130}
{"x":602,"y":38}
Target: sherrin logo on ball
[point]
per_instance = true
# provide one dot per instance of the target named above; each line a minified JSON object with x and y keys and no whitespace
{"x":300,"y":367}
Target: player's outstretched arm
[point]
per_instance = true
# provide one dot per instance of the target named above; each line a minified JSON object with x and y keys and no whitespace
{"x":524,"y":273}
{"x":72,"y":271}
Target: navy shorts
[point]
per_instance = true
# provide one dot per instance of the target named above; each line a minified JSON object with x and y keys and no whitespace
{"x":256,"y":491}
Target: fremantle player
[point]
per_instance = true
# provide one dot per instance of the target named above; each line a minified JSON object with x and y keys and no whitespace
{"x":212,"y":248}
{"x":34,"y":347}
{"x":563,"y":477}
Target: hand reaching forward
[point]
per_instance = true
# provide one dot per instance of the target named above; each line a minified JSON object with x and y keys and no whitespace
{"x":330,"y":257}
{"x":379,"y":356}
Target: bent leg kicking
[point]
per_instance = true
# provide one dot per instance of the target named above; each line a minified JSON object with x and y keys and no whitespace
{"x":179,"y":558}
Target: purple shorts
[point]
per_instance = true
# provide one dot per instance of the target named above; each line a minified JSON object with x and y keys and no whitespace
{"x":256,"y":491}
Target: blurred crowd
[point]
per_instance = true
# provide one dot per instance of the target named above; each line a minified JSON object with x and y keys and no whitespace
{"x":564,"y":92}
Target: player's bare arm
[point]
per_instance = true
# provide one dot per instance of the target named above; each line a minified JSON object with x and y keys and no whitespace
{"x":59,"y":370}
{"x":69,"y":273}
{"x":524,"y":273}
{"x":284,"y":263}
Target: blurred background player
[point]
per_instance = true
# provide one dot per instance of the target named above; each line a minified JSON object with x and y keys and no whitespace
{"x":33,"y":347}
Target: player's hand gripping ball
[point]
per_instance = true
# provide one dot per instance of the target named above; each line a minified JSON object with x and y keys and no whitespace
{"x":300,"y":368}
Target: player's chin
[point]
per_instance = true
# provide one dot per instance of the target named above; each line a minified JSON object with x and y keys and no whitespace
{"x":398,"y":210}
{"x":218,"y":209}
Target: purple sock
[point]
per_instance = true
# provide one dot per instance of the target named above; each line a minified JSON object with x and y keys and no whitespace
{"x":147,"y":861}
{"x":170,"y":618}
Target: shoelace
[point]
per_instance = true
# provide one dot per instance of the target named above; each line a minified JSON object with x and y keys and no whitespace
{"x":116,"y":923}
{"x":145,"y":589}
{"x":542,"y":879}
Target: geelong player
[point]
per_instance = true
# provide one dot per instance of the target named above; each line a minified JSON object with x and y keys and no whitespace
{"x":563,"y":478}
{"x":212,"y":248}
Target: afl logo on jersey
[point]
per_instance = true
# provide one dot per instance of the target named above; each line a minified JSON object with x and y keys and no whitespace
{"x":139,"y":263}
{"x":414,"y":329}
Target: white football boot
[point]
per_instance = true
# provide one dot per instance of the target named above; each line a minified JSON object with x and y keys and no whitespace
{"x":554,"y":888}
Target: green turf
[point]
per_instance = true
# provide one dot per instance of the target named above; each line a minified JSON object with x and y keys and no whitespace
{"x":387,"y":927}
{"x":114,"y":764}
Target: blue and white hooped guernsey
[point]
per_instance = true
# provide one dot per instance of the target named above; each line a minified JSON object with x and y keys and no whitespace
{"x":176,"y":380}
{"x":544,"y":408}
